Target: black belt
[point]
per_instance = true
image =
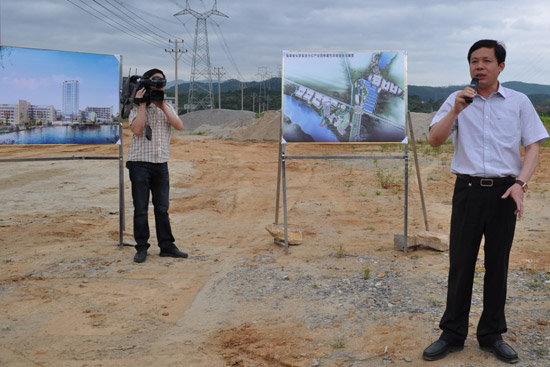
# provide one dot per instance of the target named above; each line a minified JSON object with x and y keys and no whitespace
{"x":487,"y":182}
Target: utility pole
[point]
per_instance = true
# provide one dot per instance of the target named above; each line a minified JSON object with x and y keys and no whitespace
{"x":242,"y":96}
{"x":176,"y":56}
{"x":200,"y":69}
{"x":262,"y":72}
{"x":253,"y":101}
{"x":219,"y":86}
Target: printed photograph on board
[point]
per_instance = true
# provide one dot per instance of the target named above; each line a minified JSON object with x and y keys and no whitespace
{"x":58,"y":97}
{"x":341,"y":97}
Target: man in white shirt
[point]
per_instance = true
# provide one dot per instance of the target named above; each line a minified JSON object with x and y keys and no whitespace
{"x":489,"y":130}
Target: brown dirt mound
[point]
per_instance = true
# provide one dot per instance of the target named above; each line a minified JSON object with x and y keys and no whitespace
{"x":246,"y":127}
{"x":265,"y":128}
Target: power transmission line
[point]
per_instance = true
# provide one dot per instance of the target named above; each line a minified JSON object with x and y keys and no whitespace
{"x":171,"y":21}
{"x":123,"y":29}
{"x":115,"y":15}
{"x":127,"y":7}
{"x":226,"y":49}
{"x":123,"y":16}
{"x":132,"y":21}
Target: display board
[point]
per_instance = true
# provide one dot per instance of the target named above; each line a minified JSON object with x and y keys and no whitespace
{"x":58,"y":97}
{"x":344,"y":96}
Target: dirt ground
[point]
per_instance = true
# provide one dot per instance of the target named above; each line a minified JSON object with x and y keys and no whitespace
{"x":70,"y":296}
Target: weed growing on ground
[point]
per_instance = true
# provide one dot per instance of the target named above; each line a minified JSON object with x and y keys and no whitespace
{"x":366,"y":274}
{"x":341,"y":252}
{"x":339,"y":344}
{"x":434,"y":302}
{"x":387,"y":180}
{"x":541,"y":351}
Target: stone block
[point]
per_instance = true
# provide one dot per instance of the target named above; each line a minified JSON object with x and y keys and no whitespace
{"x":433,"y":240}
{"x":295,"y":236}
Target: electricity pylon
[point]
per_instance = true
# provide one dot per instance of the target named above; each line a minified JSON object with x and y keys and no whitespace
{"x":200,"y":88}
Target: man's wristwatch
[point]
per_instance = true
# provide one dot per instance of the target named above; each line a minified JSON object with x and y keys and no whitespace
{"x":523,"y":185}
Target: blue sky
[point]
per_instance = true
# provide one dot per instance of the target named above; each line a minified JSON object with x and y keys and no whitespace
{"x":436,"y":34}
{"x":37,"y":76}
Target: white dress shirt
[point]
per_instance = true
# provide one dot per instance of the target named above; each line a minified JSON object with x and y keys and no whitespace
{"x":490,"y":132}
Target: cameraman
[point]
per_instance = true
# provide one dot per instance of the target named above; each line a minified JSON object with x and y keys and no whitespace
{"x":151,"y":123}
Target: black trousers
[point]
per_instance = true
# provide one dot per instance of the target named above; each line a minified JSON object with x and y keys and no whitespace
{"x":478,"y":212}
{"x":151,"y":178}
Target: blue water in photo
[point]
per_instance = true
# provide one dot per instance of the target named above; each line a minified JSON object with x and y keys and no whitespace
{"x":73,"y":134}
{"x":385,"y":59}
{"x":310,"y":122}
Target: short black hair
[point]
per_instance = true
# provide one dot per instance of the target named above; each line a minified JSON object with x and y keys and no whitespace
{"x":500,"y":51}
{"x":149,"y":73}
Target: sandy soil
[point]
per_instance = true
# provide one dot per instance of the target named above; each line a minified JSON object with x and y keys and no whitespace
{"x":69,"y":296}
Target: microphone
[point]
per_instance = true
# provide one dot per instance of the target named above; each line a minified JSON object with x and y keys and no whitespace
{"x":473,"y":84}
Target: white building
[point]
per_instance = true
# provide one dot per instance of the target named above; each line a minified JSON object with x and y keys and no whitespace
{"x":100,"y":114}
{"x":71,"y":97}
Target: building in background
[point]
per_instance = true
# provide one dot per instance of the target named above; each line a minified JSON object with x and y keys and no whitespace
{"x":71,"y":98}
{"x":99,"y":114}
{"x":25,"y":113}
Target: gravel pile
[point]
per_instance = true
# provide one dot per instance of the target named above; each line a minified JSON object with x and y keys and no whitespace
{"x":245,"y":126}
{"x":195,"y":119}
{"x":390,"y":293}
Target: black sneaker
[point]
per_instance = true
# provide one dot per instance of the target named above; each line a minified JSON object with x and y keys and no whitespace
{"x":140,"y":256}
{"x":173,"y":252}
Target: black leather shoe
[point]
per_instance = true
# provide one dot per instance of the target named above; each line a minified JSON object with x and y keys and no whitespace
{"x":140,"y":256}
{"x":439,"y":350}
{"x":502,"y":351}
{"x":173,"y":252}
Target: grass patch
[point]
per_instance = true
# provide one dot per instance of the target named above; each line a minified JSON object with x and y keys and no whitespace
{"x":546,"y":121}
{"x":339,"y":344}
{"x":366,"y":274}
{"x":540,"y":351}
{"x":434,"y":302}
{"x":341,"y":252}
{"x":386,"y":180}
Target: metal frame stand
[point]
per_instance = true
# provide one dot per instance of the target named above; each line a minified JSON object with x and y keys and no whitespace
{"x":120,"y":158}
{"x":282,"y":171}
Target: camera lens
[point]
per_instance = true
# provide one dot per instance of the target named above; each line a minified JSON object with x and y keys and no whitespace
{"x":158,"y":82}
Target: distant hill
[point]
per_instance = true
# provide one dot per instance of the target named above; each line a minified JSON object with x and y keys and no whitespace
{"x":171,"y":84}
{"x":421,"y":98}
{"x":424,"y":92}
{"x":441,"y":93}
{"x":228,"y":85}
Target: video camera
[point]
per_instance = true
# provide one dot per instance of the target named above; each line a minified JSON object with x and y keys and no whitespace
{"x":132,"y":84}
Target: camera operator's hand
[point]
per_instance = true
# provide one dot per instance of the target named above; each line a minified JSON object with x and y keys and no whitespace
{"x":173,"y":118}
{"x":139,"y":94}
{"x":138,"y":125}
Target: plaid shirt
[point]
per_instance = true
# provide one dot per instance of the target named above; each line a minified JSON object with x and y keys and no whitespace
{"x":156,"y":150}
